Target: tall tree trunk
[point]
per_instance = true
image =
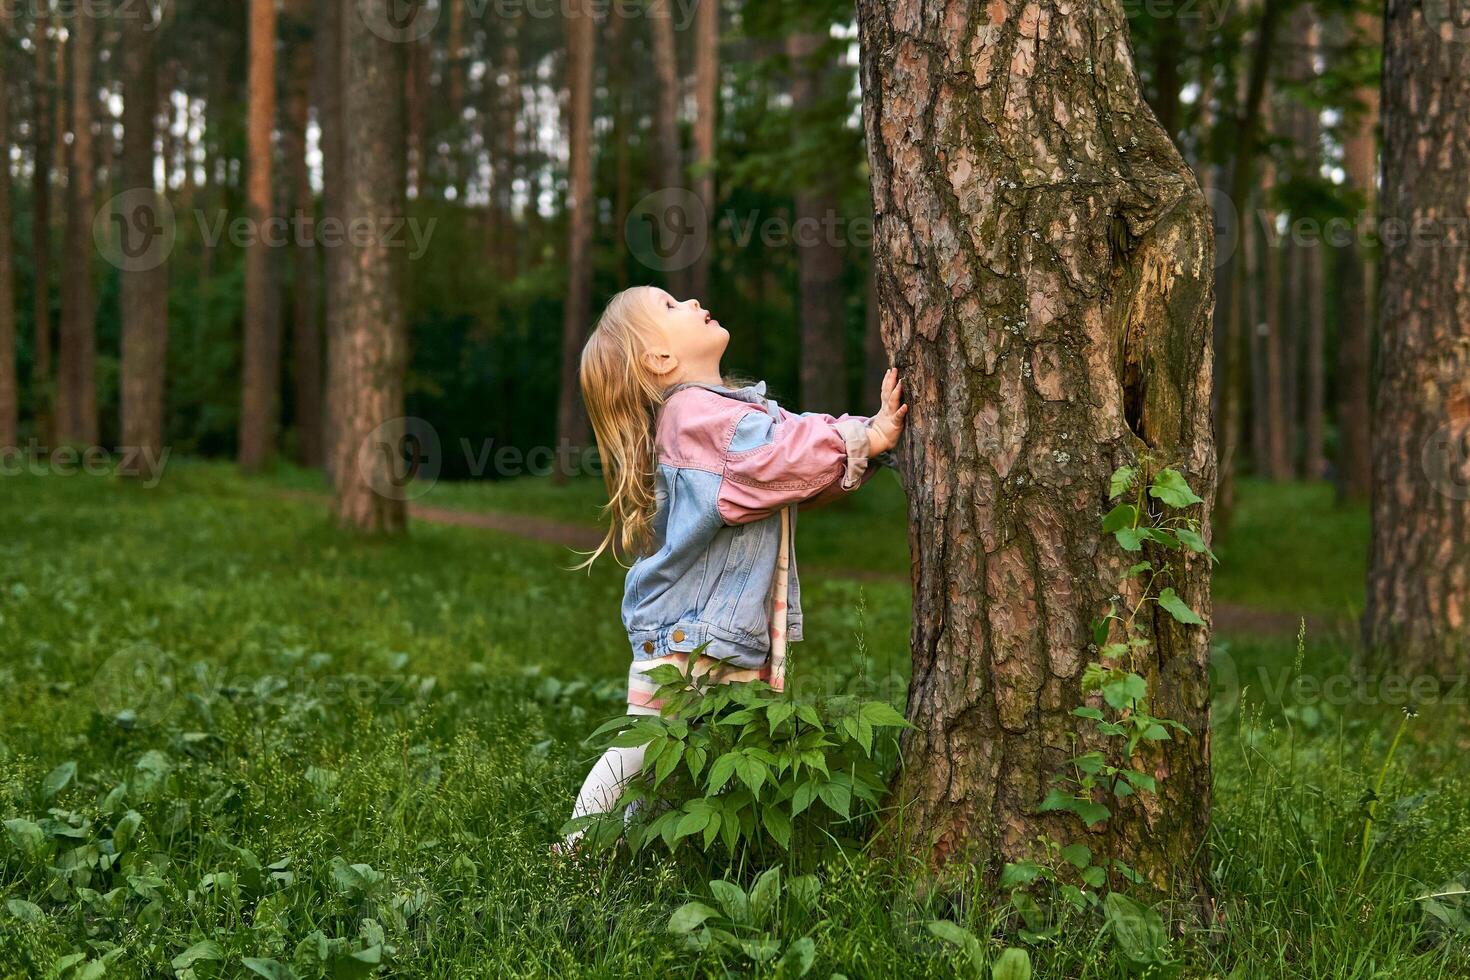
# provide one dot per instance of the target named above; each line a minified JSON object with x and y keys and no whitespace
{"x":620,"y":89}
{"x":1168,"y":49}
{"x":1229,"y":343}
{"x":507,"y":113}
{"x":1358,"y":306}
{"x":571,"y":419}
{"x":1419,"y":567}
{"x":1270,"y":335}
{"x":1047,"y":330}
{"x":259,"y":390}
{"x":706,"y":101}
{"x":455,"y":57}
{"x":369,"y":418}
{"x":76,"y":394}
{"x":328,"y":84}
{"x":145,"y":285}
{"x":819,"y":258}
{"x":42,"y":386}
{"x":306,"y":331}
{"x":1310,"y":285}
{"x":9,"y":390}
{"x":670,"y":155}
{"x":416,"y":85}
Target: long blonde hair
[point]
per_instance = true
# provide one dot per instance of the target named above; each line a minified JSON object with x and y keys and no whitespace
{"x":623,"y":398}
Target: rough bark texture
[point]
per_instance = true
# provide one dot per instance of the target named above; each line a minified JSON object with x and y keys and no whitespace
{"x":9,"y":391}
{"x":42,"y":389}
{"x":76,"y":385}
{"x":306,"y":330}
{"x":571,"y":419}
{"x":373,"y":341}
{"x":669,"y":154}
{"x":262,"y":341}
{"x":819,"y":258}
{"x":327,"y":88}
{"x":706,"y":101}
{"x":1358,"y":305}
{"x":1044,"y":273}
{"x":144,"y":290}
{"x":1419,"y":566}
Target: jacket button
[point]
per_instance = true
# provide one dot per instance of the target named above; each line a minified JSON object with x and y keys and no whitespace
{"x":678,"y":636}
{"x":648,"y":646}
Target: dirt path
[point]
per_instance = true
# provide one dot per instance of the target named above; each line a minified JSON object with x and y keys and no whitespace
{"x":1229,"y":617}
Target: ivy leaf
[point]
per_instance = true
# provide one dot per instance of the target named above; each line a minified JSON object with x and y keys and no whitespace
{"x":1169,"y":486}
{"x":1121,"y":480}
{"x":1170,"y":600}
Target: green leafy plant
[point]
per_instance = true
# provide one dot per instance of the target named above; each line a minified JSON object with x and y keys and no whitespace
{"x":745,"y":925}
{"x":746,"y":765}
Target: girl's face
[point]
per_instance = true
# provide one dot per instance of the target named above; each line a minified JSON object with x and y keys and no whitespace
{"x":693,"y":340}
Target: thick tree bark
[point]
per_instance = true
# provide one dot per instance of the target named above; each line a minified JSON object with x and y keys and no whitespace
{"x":1358,"y":305}
{"x":1419,"y":568}
{"x":328,"y":84}
{"x":706,"y":101}
{"x":9,"y":385}
{"x":373,"y":343}
{"x":571,"y":418}
{"x":259,"y":389}
{"x":819,"y":258}
{"x":76,"y":385}
{"x":1044,"y":271}
{"x":875,"y":358}
{"x":144,"y":289}
{"x":669,"y":153}
{"x":306,"y":331}
{"x":42,"y":385}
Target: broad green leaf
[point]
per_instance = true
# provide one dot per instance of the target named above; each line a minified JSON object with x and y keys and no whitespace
{"x":733,"y":900}
{"x":206,"y":950}
{"x":25,"y":911}
{"x":269,"y":968}
{"x":1137,"y":929}
{"x":799,"y":957}
{"x":882,"y":715}
{"x":1131,"y":538}
{"x":1194,"y":541}
{"x":690,"y":916}
{"x":1170,"y":487}
{"x":765,"y":892}
{"x":1077,"y":855}
{"x":1120,"y":481}
{"x":778,"y":824}
{"x":1175,"y":606}
{"x":1013,"y":964}
{"x":58,"y":779}
{"x":958,"y":936}
{"x":1120,"y":517}
{"x":1019,"y":873}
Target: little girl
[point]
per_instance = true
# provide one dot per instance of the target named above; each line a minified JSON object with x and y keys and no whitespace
{"x":702,"y":478}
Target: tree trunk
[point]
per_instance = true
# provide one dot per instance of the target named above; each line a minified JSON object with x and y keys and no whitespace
{"x":571,"y":419}
{"x":306,"y":331}
{"x":1358,"y":306}
{"x":1044,"y":272}
{"x":819,"y":256}
{"x":505,"y":242}
{"x":259,"y":390}
{"x":328,"y":84}
{"x":620,"y":90}
{"x":1270,"y":335}
{"x":373,"y":344}
{"x":875,"y":358}
{"x":669,"y":154}
{"x":76,"y":394}
{"x":707,"y":101}
{"x":42,"y":386}
{"x":145,"y":285}
{"x":1419,"y":567}
{"x":9,"y":390}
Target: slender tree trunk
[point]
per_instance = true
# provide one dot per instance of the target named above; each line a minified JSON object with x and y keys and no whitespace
{"x":1418,"y":607}
{"x":819,"y":257}
{"x":1358,"y":306}
{"x":506,"y":242}
{"x":1275,"y":425}
{"x":706,"y":100}
{"x":1310,"y":289}
{"x":370,"y":493}
{"x":42,"y":386}
{"x":1047,"y":330}
{"x":571,"y":421}
{"x":1168,"y":48}
{"x":620,"y":89}
{"x":76,"y":395}
{"x":328,"y":84}
{"x":145,"y":286}
{"x":259,"y":391}
{"x":9,"y":385}
{"x":670,"y":155}
{"x":306,"y":330}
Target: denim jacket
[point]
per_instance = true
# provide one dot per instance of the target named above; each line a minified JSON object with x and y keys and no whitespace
{"x":728,"y":460}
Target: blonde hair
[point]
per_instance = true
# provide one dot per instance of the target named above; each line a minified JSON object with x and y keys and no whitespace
{"x":622,"y":398}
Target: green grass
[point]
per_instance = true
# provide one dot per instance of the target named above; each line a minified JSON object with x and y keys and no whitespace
{"x":416,"y":706}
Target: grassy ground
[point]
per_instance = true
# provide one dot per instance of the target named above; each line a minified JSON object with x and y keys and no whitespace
{"x":340,"y":751}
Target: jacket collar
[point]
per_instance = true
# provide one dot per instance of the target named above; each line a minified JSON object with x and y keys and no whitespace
{"x":755,"y":393}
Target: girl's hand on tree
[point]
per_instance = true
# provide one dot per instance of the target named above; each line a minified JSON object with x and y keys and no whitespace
{"x":885,"y":427}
